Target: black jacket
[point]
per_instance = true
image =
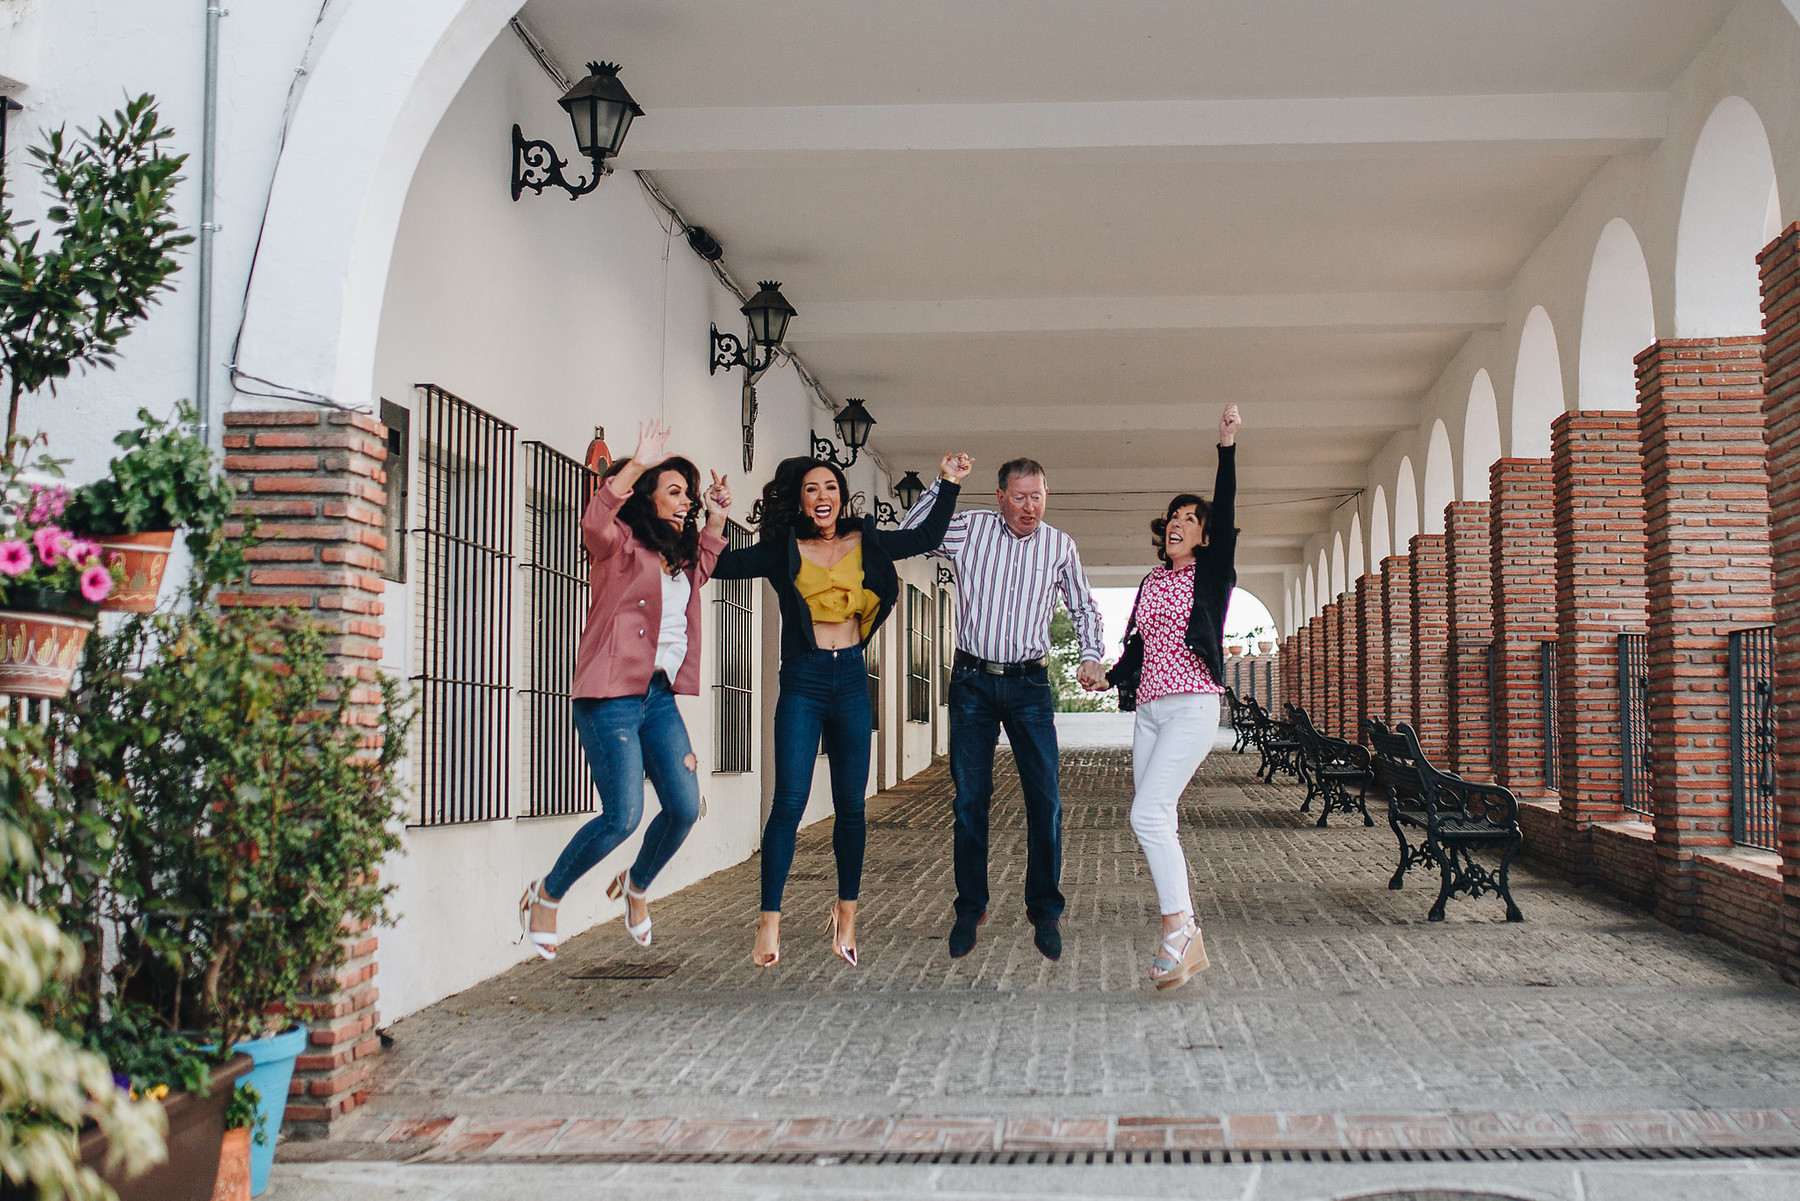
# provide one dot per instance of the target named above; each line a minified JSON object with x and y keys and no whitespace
{"x":880,"y":548}
{"x":1214,"y":577}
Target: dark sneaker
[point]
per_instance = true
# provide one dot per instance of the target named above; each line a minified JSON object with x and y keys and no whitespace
{"x":1048,"y":938}
{"x":962,"y":934}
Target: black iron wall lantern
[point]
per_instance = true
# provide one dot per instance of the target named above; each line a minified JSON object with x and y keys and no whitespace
{"x":853,"y":424}
{"x":601,"y":110}
{"x":769,"y":313}
{"x":909,"y":490}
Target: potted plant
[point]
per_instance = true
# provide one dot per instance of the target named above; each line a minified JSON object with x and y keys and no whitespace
{"x":51,"y":584}
{"x":244,"y":1125}
{"x":166,"y":480}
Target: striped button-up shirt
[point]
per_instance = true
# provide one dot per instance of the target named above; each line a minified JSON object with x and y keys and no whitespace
{"x":1006,"y":586}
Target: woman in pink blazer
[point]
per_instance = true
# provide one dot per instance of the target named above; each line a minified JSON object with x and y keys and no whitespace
{"x":640,"y":646}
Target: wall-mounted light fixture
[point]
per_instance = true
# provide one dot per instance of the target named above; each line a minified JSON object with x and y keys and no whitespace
{"x":601,"y":110}
{"x":768,"y":313}
{"x":909,"y":490}
{"x":945,"y":577}
{"x":853,"y":425}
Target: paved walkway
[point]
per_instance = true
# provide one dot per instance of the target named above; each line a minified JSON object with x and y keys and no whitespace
{"x":1334,"y":1018}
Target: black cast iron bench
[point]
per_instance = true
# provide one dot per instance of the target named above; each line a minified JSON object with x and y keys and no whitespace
{"x":1333,"y":767}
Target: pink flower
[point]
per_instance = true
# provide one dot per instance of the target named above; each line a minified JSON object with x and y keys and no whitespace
{"x":15,"y":557}
{"x":49,"y":541}
{"x":96,"y":582}
{"x":47,"y":502}
{"x":81,"y":552}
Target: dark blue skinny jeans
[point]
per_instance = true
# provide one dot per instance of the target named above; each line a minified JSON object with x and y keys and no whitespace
{"x":822,"y":693}
{"x":626,"y":738}
{"x":980,"y":704}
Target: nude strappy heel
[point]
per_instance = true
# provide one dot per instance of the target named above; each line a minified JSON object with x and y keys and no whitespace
{"x":542,"y":941}
{"x":774,"y":955}
{"x":1183,"y":957}
{"x":620,"y":887}
{"x":846,"y":953}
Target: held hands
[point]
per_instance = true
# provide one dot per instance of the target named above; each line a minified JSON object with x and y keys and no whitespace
{"x":955,"y":467}
{"x":1228,"y":426}
{"x":653,"y":441}
{"x":1091,"y":675}
{"x":718,"y":495}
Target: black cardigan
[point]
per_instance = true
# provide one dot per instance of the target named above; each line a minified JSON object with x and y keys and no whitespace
{"x":880,"y":548}
{"x":1214,"y":577}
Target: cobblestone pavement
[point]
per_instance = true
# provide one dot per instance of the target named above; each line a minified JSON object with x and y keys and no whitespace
{"x":1333,"y":1016}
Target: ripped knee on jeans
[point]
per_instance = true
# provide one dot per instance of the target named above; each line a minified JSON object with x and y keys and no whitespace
{"x":691,"y":763}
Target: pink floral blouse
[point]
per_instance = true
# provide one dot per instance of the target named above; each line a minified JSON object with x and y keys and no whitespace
{"x":1164,"y":603}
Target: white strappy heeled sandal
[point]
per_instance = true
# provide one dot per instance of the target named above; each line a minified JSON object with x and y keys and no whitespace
{"x":1183,"y":957}
{"x":542,"y":941}
{"x":621,"y":887}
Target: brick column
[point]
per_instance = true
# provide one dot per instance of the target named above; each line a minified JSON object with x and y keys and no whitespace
{"x":1332,"y":664}
{"x":1370,"y":621}
{"x":1290,"y":654}
{"x":1431,"y":646}
{"x":316,"y":482}
{"x":1310,"y":693}
{"x":1396,"y":616}
{"x":1707,"y":569}
{"x":1466,"y":562}
{"x":1522,"y":562}
{"x":1350,"y":715}
{"x":1597,"y":469}
{"x":1780,"y":264}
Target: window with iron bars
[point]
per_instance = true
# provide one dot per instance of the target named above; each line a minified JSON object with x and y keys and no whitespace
{"x":918,"y":655}
{"x":556,"y":595}
{"x":1634,"y":723}
{"x":733,"y":614}
{"x":946,"y":643}
{"x":464,"y":538}
{"x":872,"y":663}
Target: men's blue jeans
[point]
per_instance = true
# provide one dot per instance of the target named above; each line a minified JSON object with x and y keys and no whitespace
{"x":626,"y":738}
{"x":980,"y":704}
{"x":822,"y":693}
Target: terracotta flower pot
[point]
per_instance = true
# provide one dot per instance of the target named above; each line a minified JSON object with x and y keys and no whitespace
{"x":40,"y":651}
{"x":196,"y":1132}
{"x":137,"y":562}
{"x":1265,"y":647}
{"x":233,"y":1182}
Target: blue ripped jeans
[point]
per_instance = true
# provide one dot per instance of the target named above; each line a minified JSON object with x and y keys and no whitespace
{"x":626,"y":738}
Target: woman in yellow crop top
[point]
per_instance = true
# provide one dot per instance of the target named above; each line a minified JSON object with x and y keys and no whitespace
{"x":834,"y":576}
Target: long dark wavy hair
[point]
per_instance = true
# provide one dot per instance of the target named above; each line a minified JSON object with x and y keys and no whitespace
{"x":680,"y":550}
{"x":779,"y":509}
{"x":1159,"y":525}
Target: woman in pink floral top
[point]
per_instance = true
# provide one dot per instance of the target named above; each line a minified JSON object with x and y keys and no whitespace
{"x":1174,"y":657}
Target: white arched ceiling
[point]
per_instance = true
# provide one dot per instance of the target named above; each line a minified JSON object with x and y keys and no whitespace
{"x":1325,"y":593}
{"x":1723,"y":214}
{"x":1379,"y":547}
{"x":1406,"y":507}
{"x":1287,"y":610}
{"x":1354,"y":566}
{"x":1440,"y":478}
{"x":1537,"y":387}
{"x":1772,"y":218}
{"x":1618,"y":319}
{"x":1312,"y":596}
{"x":1481,"y":435}
{"x":1337,"y":565}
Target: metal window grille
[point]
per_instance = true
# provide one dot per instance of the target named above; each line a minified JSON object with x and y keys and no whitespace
{"x":556,"y":596}
{"x":946,"y":643}
{"x":918,"y":655}
{"x":465,"y":541}
{"x":1634,"y":722}
{"x":1752,"y":677}
{"x":872,"y":663}
{"x":733,"y":615}
{"x":1547,"y":711}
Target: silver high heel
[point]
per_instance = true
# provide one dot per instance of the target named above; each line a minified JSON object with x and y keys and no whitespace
{"x":621,"y":887}
{"x":542,"y":941}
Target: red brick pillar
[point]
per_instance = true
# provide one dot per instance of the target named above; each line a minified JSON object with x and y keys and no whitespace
{"x":1370,"y":622}
{"x":1467,"y":564}
{"x":1431,"y":646}
{"x":1781,"y":411}
{"x":1311,"y":692}
{"x":1350,"y":716}
{"x":1332,"y":663}
{"x":1289,"y":656}
{"x":1597,"y":468}
{"x":1707,"y":569}
{"x":317,"y":483}
{"x":1522,"y":560}
{"x":1396,"y":616}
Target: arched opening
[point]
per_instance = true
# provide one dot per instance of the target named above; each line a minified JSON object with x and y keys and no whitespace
{"x":1337,"y":566}
{"x":1724,"y":213}
{"x":1440,"y":478}
{"x":1481,"y":436}
{"x":1537,"y":388}
{"x":1379,"y":546}
{"x":1354,"y":566}
{"x":1325,"y":593}
{"x":1310,"y":597}
{"x":1618,"y":319}
{"x":1406,"y":507}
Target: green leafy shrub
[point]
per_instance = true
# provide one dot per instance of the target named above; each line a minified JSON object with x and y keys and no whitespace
{"x":168,"y":478}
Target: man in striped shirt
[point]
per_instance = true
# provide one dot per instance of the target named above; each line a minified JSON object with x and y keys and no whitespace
{"x":1010,"y":567}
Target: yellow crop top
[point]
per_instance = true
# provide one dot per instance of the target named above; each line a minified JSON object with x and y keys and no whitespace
{"x":836,"y":593}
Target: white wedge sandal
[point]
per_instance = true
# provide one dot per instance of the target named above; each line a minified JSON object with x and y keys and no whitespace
{"x":621,"y":887}
{"x":542,"y":941}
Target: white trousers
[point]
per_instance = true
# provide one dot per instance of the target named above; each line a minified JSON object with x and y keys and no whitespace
{"x":1172,"y":737}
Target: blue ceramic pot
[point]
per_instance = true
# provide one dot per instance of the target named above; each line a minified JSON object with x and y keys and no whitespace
{"x":274,"y":1058}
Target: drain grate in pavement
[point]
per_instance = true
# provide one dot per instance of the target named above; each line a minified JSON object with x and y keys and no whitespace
{"x":889,"y":823}
{"x":1127,"y":1158}
{"x":808,"y":877}
{"x":624,"y":969}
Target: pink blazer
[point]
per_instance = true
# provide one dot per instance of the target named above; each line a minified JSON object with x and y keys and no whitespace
{"x":617,"y":653}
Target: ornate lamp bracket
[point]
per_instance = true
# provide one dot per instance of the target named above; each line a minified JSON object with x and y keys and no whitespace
{"x":537,"y":166}
{"x":824,"y":449}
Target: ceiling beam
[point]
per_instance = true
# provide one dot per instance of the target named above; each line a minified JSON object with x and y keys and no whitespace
{"x":1312,"y":415}
{"x":1120,"y":130}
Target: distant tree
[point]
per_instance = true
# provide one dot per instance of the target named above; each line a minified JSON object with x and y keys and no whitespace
{"x":1065,"y":657}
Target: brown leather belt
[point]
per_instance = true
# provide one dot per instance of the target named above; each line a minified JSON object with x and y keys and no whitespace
{"x":965,"y":659}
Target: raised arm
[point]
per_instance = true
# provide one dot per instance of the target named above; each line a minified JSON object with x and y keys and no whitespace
{"x":925,"y":537}
{"x":956,"y":531}
{"x":1221,"y":536}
